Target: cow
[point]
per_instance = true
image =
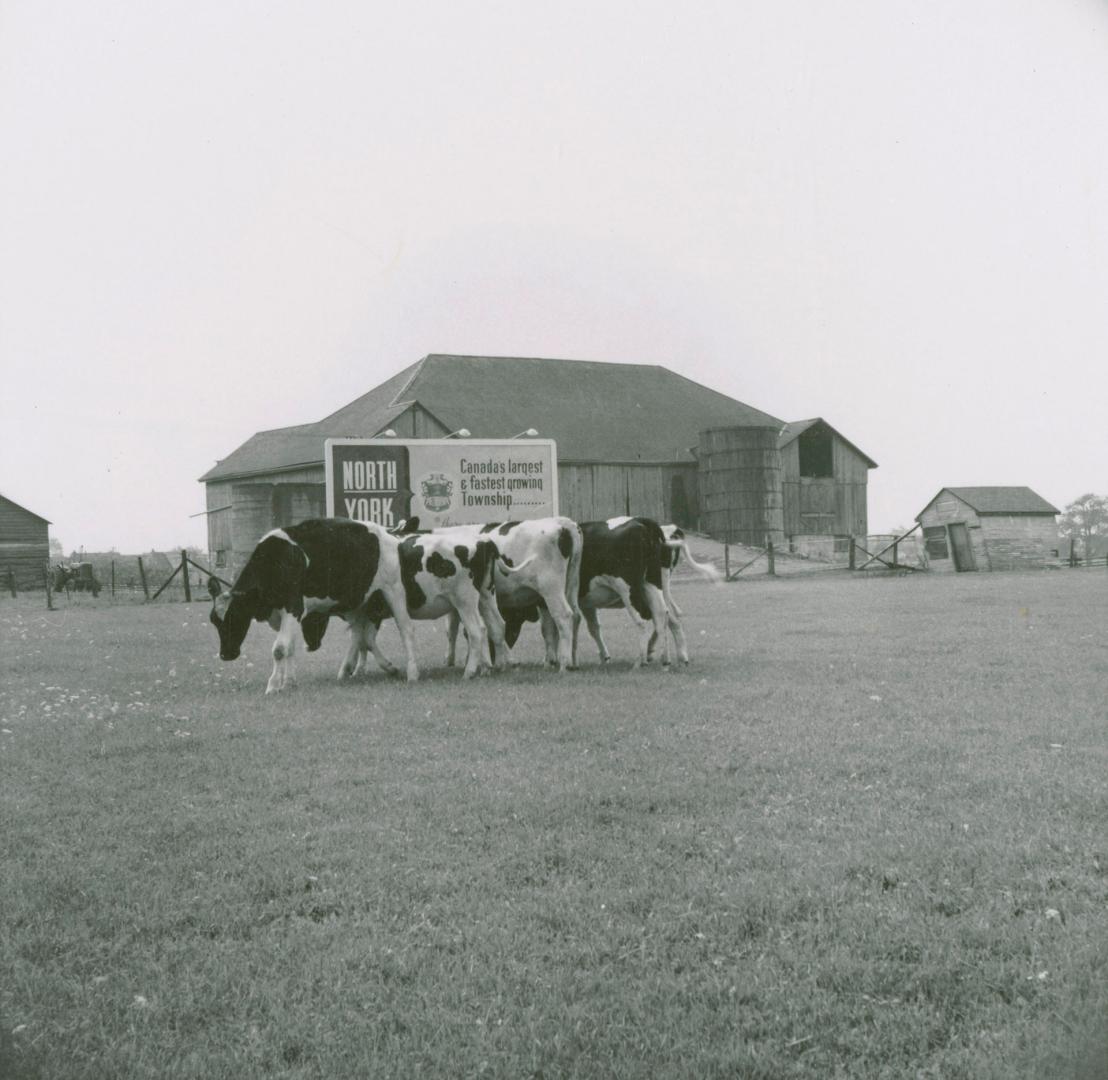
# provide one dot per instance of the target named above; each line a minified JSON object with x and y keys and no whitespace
{"x":675,"y":546}
{"x":442,"y":576}
{"x":538,"y":566}
{"x":621,"y":566}
{"x":330,"y":565}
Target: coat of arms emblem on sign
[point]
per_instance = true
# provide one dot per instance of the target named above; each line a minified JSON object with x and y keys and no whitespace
{"x":437,"y":489}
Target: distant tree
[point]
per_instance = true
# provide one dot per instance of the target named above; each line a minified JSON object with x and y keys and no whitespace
{"x":56,"y":549}
{"x":1085,"y":518}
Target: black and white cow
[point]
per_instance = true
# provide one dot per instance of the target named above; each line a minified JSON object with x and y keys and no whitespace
{"x":327,"y":565}
{"x":621,"y":566}
{"x":539,"y":568}
{"x":442,"y":575}
{"x":676,"y":546}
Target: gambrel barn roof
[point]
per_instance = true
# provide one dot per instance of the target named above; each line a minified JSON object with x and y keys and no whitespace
{"x":594,"y":411}
{"x":1000,"y":500}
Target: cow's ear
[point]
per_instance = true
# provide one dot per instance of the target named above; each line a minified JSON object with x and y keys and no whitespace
{"x":214,"y":588}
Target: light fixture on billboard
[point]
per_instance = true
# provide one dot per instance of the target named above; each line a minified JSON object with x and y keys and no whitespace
{"x":530,"y":433}
{"x":462,"y":433}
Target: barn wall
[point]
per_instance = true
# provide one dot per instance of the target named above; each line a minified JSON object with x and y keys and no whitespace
{"x":826,"y":506}
{"x":1018,"y":542}
{"x":595,"y":491}
{"x":24,"y":546}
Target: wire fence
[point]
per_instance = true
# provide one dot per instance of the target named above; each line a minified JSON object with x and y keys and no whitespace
{"x":154,"y":577}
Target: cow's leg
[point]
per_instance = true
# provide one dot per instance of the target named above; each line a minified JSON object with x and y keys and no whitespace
{"x":593,"y":623}
{"x":623,"y":591}
{"x":549,"y":636}
{"x":670,"y":602}
{"x":288,"y":629}
{"x":453,"y":622}
{"x":678,"y":632}
{"x":397,"y":601}
{"x":660,"y":617}
{"x":562,"y":614}
{"x":371,"y":643}
{"x":469,"y":612}
{"x":362,"y":638}
{"x":494,"y":627}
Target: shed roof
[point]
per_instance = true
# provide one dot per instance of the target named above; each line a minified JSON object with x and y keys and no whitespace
{"x":18,"y":506}
{"x":795,"y":428}
{"x":1000,"y":500}
{"x":594,"y":411}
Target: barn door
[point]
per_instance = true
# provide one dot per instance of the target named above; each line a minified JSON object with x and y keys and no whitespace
{"x":961,"y":547}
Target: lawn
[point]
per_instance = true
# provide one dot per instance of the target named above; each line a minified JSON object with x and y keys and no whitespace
{"x":864,"y":834}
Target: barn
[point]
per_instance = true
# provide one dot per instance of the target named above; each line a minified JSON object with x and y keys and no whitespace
{"x":989,"y":528}
{"x":24,"y":545}
{"x":632,"y":439}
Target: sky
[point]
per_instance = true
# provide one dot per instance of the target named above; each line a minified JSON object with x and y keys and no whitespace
{"x":221,"y":218}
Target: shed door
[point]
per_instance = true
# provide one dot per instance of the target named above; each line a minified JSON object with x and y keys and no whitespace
{"x":961,"y":547}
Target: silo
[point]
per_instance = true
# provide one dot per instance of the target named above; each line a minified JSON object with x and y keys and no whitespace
{"x":739,"y":477}
{"x":251,"y":519}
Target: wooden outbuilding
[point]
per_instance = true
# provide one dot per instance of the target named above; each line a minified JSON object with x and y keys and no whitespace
{"x":631,"y":439}
{"x":989,"y":528}
{"x":24,"y":546}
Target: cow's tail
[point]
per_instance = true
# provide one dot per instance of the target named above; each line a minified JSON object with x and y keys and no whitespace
{"x":506,"y":567}
{"x":703,"y":569}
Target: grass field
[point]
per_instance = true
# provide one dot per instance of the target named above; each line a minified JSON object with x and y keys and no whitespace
{"x":864,"y":834}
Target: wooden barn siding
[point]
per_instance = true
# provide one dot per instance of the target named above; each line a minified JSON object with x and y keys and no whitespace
{"x":946,"y":510}
{"x":1019,"y":542}
{"x":594,"y":491}
{"x":24,"y":545}
{"x":832,"y":506}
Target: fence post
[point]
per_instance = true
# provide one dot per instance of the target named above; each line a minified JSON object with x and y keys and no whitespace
{"x":142,"y":578}
{"x":896,"y":553}
{"x":11,"y":581}
{"x":185,"y":575}
{"x":853,"y":554}
{"x":1073,"y":557}
{"x":49,"y":589}
{"x":770,"y":559}
{"x":113,"y":578}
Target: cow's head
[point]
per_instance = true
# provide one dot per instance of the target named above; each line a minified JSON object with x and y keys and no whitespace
{"x":231,"y":614}
{"x":313,"y":626}
{"x":514,"y":618}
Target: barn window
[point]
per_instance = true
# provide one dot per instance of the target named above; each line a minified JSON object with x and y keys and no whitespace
{"x":934,"y":540}
{"x":815,"y":455}
{"x":221,"y":558}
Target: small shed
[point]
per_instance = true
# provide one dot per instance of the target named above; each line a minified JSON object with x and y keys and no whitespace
{"x":989,"y":528}
{"x":24,"y":546}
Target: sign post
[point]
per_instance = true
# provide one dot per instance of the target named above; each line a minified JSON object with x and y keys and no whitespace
{"x":441,"y":481}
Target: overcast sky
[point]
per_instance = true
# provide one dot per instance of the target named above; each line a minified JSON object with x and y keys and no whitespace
{"x":217,"y":218}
